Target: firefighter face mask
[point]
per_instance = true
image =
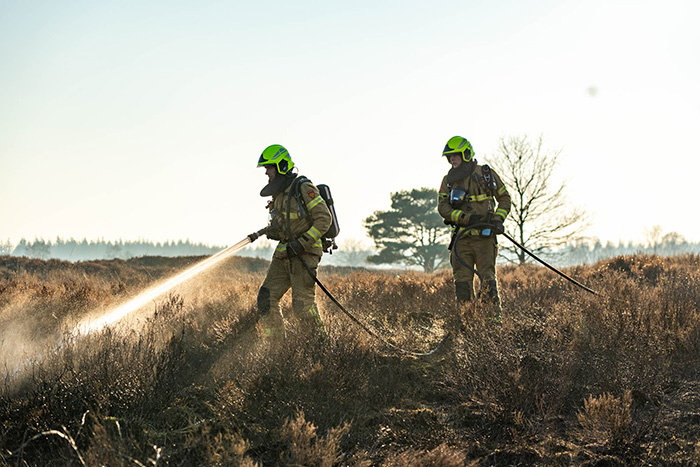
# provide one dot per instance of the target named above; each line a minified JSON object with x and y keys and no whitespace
{"x":277,"y":185}
{"x":463,"y":170}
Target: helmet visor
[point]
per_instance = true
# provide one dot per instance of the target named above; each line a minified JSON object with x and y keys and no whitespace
{"x":464,"y":153}
{"x":263,"y":161}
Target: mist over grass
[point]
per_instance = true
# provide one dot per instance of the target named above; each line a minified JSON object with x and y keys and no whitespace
{"x":568,"y":378}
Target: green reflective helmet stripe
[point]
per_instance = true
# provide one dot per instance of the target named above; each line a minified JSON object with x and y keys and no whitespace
{"x":459,"y":145}
{"x":278,"y":156}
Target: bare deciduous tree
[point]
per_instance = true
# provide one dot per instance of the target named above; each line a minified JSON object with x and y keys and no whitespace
{"x":541,"y":217}
{"x":672,"y":243}
{"x":653,"y":236}
{"x":6,"y":247}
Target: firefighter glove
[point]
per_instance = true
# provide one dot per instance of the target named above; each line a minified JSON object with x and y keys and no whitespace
{"x":498,"y":226}
{"x":294,"y":248}
{"x":273,"y":233}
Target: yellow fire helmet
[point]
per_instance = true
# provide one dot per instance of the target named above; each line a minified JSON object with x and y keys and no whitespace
{"x":459,"y":145}
{"x":278,"y":156}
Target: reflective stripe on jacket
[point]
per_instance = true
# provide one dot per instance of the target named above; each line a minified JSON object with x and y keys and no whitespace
{"x":478,"y":200}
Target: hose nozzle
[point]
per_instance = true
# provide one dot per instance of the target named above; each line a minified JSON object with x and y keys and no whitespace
{"x":255,"y":235}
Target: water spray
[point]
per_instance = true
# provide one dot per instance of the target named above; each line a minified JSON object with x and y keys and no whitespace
{"x":113,"y":315}
{"x":90,"y":325}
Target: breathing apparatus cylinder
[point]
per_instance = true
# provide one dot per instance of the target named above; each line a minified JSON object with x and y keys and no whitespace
{"x":334,"y":229}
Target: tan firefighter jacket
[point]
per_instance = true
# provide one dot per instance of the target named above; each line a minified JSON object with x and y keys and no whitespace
{"x":483,"y":192}
{"x":308,"y":229}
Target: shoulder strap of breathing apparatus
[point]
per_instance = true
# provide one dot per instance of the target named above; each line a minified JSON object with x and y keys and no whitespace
{"x":489,"y":178}
{"x":295,"y":191}
{"x":491,"y":187}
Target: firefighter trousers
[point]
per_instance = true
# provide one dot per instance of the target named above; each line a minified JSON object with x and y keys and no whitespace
{"x":282,"y":275}
{"x":480,"y":253}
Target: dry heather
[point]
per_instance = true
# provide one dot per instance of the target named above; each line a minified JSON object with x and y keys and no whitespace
{"x":567,"y":378}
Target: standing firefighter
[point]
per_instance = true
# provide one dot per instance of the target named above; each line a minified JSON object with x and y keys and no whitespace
{"x":466,"y":200}
{"x":298,"y":219}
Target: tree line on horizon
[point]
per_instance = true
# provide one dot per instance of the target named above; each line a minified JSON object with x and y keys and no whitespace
{"x":352,"y":252}
{"x":84,"y":250}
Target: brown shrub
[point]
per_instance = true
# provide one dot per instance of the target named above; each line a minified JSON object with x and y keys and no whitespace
{"x":304,"y":447}
{"x":606,"y":419}
{"x":190,"y":375}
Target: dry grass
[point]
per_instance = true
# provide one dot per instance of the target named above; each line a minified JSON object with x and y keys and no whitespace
{"x":568,"y":378}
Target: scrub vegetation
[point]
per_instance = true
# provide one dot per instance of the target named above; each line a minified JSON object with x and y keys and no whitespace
{"x":567,"y":378}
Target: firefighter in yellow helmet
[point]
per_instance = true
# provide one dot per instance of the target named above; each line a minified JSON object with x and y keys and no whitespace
{"x":475,"y":201}
{"x":298,"y":219}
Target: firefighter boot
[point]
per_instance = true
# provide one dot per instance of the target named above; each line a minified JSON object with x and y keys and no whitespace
{"x":269,"y":316}
{"x":309,"y":318}
{"x":492,"y":301}
{"x":464,"y":292}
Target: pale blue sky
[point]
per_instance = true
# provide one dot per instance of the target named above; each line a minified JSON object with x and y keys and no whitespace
{"x":144,"y":119}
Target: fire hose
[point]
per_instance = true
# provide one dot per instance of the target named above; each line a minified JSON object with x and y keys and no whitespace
{"x":254,"y":236}
{"x":512,"y":240}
